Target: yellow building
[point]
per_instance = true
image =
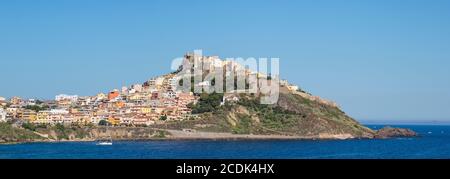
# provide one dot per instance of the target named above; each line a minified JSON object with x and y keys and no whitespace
{"x":82,"y":120}
{"x":146,"y":110}
{"x":114,"y":121}
{"x":43,"y":117}
{"x":28,"y":115}
{"x":101,"y":96}
{"x":135,"y":97}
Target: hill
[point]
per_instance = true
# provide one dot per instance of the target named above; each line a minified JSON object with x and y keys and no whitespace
{"x":10,"y":134}
{"x":236,"y":113}
{"x":293,"y":115}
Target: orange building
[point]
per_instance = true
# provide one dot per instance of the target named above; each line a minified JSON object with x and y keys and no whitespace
{"x":120,"y":104}
{"x":113,"y":94}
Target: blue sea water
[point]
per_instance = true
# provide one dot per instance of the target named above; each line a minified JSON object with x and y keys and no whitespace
{"x":434,"y":143}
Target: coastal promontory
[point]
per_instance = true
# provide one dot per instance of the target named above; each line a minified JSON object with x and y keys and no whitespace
{"x":158,"y":109}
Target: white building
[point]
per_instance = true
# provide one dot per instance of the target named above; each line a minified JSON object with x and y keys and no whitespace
{"x":101,"y":96}
{"x":31,"y":102}
{"x":159,"y":81}
{"x":62,"y":97}
{"x":3,"y":101}
{"x":293,"y":87}
{"x":2,"y":115}
{"x":124,"y":90}
{"x":84,"y":101}
{"x":284,"y":83}
{"x":170,"y":94}
{"x":59,"y":111}
{"x":137,"y":87}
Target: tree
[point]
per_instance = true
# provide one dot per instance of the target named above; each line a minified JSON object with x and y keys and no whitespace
{"x":163,"y":118}
{"x":103,"y":123}
{"x":37,"y":108}
{"x":29,"y":126}
{"x":190,"y":105}
{"x":207,"y":103}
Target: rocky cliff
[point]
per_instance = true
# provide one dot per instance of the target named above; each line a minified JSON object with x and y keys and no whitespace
{"x":388,"y":132}
{"x":98,"y":133}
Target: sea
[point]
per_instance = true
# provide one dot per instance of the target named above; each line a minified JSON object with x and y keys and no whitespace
{"x":433,"y":143}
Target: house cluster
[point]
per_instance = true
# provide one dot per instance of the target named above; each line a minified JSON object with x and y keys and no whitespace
{"x":155,"y":101}
{"x":2,"y":111}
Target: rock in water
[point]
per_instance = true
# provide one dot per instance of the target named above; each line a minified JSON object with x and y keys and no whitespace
{"x":388,"y":132}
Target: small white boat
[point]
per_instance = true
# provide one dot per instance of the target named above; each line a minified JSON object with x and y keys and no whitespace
{"x":105,"y":143}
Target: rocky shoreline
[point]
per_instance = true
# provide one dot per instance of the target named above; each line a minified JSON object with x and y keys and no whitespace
{"x":149,"y":134}
{"x":390,"y":132}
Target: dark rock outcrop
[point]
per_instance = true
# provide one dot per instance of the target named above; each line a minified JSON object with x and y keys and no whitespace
{"x":388,"y":132}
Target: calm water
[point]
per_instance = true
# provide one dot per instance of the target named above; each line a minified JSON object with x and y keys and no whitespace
{"x":433,"y":143}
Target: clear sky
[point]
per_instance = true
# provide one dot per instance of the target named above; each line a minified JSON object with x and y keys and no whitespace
{"x":379,"y":59}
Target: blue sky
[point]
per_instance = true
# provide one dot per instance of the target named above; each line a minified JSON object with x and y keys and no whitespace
{"x":379,"y":59}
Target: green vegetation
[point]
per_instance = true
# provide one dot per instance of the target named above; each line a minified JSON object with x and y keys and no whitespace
{"x":33,"y":127}
{"x":39,"y":102}
{"x":37,"y":108}
{"x":61,"y":131}
{"x":207,"y":103}
{"x":10,"y":134}
{"x":163,"y":118}
{"x":160,"y":134}
{"x":29,"y":126}
{"x":243,"y":126}
{"x":271,"y":116}
{"x":103,"y":123}
{"x":302,"y":91}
